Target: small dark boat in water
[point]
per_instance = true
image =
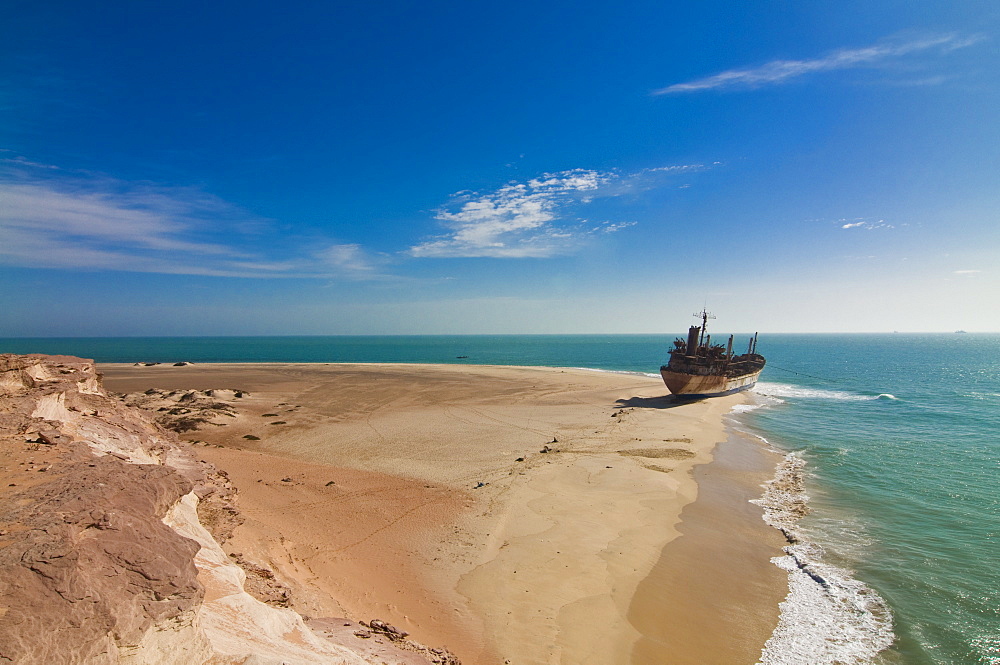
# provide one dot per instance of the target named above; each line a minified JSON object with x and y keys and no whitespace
{"x":699,"y":368}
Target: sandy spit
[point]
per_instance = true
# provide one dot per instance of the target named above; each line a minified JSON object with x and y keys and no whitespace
{"x":513,"y":514}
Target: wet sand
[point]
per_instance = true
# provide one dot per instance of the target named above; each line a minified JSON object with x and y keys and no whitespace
{"x":529,"y":515}
{"x":712,"y":598}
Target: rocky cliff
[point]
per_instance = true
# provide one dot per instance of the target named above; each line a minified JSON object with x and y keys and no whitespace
{"x":103,"y":558}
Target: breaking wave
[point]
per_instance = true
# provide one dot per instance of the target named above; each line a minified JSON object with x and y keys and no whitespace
{"x":828,"y":617}
{"x":780,"y":390}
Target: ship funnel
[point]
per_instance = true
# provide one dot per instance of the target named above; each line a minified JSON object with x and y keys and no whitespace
{"x":692,"y":347}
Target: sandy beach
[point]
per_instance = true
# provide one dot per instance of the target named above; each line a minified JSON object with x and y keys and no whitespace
{"x":514,"y":514}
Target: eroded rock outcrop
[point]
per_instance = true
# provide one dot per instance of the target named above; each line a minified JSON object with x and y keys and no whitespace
{"x":88,"y":570}
{"x":103,"y":558}
{"x":186,"y":410}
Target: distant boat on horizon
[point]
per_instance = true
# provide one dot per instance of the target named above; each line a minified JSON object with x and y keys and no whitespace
{"x":960,"y":332}
{"x":697,"y":368}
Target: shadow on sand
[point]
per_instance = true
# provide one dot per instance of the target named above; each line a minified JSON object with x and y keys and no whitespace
{"x":664,"y":402}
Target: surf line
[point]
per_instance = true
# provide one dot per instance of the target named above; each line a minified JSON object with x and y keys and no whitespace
{"x":860,"y":391}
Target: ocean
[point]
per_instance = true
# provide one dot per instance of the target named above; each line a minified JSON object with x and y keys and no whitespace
{"x":895,"y":439}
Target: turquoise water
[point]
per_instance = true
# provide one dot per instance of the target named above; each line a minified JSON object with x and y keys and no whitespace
{"x":900,"y":435}
{"x":611,"y":352}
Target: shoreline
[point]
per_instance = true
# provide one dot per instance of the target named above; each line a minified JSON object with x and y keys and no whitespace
{"x":720,"y":521}
{"x":490,"y":509}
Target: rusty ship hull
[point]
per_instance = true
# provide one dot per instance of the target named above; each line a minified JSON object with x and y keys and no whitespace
{"x":699,"y":368}
{"x":708,"y":385}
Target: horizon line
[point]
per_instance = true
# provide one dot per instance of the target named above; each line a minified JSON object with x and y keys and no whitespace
{"x":499,"y":334}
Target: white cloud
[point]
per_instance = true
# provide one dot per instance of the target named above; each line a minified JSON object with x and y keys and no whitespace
{"x":611,"y":227}
{"x":156,"y":221}
{"x":79,"y":223}
{"x":967,"y":272}
{"x":575,"y":180}
{"x":677,"y":167}
{"x":50,"y":218}
{"x":534,"y":219}
{"x":780,"y":71}
{"x":352,"y":261}
{"x":865,"y":223}
{"x":53,"y":218}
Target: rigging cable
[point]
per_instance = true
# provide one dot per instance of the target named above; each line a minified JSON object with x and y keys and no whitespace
{"x":849,"y":386}
{"x":811,"y":376}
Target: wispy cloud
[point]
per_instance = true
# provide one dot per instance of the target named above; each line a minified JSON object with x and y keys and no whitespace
{"x":51,"y":218}
{"x":966,"y":272}
{"x":781,"y":71}
{"x":354,"y":262}
{"x":534,"y":219}
{"x":143,"y":220}
{"x":81,"y":221}
{"x":864,"y":223}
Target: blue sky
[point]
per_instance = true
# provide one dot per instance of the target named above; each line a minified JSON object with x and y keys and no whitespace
{"x":332,"y":168}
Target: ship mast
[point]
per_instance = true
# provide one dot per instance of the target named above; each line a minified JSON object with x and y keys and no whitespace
{"x":704,"y":315}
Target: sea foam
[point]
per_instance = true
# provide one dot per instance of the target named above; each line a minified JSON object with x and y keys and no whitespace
{"x":744,"y":408}
{"x":780,"y":390}
{"x":828,"y":617}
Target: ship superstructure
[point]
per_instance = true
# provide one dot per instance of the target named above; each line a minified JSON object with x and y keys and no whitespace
{"x":699,"y":368}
